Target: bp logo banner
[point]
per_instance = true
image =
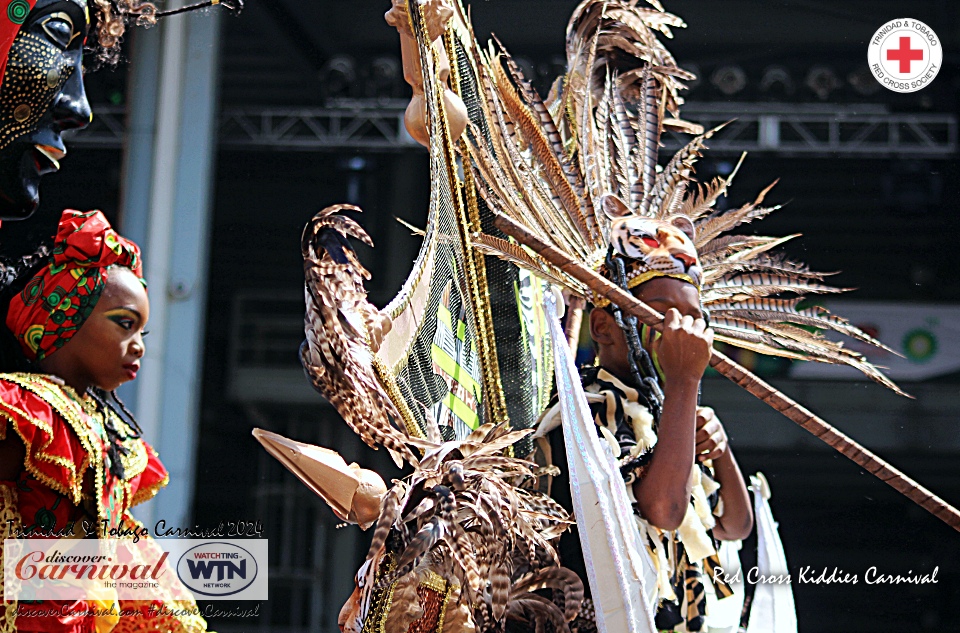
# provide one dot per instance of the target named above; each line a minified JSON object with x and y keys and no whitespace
{"x":927,"y":335}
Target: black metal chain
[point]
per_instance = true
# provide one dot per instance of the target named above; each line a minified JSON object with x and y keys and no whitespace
{"x":641,"y":365}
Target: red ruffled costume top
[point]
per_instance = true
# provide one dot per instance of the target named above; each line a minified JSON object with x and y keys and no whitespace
{"x":66,"y":486}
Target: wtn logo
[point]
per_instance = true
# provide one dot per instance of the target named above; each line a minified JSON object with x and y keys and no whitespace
{"x":224,"y":568}
{"x":218,"y":569}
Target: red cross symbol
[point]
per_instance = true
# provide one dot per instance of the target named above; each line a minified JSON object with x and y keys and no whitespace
{"x":905,"y":54}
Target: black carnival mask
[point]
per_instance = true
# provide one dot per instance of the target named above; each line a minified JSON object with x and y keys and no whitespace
{"x":41,"y":95}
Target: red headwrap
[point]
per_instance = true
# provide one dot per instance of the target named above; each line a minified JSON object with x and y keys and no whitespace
{"x":55,"y":303}
{"x":12,"y":15}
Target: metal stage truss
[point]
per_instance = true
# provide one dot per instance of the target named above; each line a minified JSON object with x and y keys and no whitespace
{"x":803,"y":130}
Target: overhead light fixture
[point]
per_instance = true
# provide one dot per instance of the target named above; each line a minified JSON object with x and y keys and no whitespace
{"x":863,"y":82}
{"x":729,"y":79}
{"x":383,"y":78}
{"x":822,"y":81}
{"x":338,"y":76}
{"x":776,"y":80}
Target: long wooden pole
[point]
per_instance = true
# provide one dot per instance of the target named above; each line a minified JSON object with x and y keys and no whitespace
{"x":860,"y":455}
{"x":575,"y":306}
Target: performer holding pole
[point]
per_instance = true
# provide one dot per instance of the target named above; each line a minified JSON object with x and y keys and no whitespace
{"x":681,"y":475}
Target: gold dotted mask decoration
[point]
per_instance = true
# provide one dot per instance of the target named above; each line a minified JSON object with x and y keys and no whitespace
{"x":36,"y":73}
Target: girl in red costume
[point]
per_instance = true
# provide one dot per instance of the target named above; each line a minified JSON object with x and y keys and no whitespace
{"x":71,"y":456}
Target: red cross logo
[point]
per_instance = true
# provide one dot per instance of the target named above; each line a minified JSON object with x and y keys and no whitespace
{"x":905,"y":54}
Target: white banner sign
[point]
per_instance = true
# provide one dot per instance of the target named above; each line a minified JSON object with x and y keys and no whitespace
{"x":927,"y":335}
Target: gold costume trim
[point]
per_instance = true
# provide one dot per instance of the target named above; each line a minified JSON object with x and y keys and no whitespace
{"x":136,"y":459}
{"x":469,"y":223}
{"x":633,"y":282}
{"x":55,"y":395}
{"x":9,"y":525}
{"x":146,"y":493}
{"x":380,"y":604}
{"x":433,"y":580}
{"x":88,"y":424}
{"x":389,"y":383}
{"x":443,"y":607}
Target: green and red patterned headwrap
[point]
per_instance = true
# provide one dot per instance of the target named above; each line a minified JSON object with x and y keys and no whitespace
{"x":53,"y":305}
{"x":12,"y":14}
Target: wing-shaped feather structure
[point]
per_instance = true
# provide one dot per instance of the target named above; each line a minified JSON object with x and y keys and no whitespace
{"x":342,"y":331}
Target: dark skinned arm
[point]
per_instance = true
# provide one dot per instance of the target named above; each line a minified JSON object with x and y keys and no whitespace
{"x":663,"y":493}
{"x":712,"y":443}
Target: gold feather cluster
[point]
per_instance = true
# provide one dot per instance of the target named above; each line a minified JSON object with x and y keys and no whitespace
{"x":546,"y":164}
{"x":463,"y":516}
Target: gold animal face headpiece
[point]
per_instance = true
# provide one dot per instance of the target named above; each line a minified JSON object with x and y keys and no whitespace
{"x":649,"y":248}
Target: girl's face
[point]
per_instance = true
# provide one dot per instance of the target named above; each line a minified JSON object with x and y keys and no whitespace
{"x":107,"y":349}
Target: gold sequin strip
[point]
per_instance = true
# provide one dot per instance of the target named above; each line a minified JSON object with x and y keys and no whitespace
{"x":389,"y":383}
{"x":469,"y":223}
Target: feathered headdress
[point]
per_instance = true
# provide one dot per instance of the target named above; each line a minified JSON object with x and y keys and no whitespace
{"x":581,"y":171}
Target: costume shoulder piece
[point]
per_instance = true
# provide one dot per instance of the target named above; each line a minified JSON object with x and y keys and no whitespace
{"x":50,"y":420}
{"x":65,"y":435}
{"x":149,"y":482}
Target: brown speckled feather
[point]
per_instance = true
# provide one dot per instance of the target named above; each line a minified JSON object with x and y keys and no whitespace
{"x":473,"y":533}
{"x":336,"y":354}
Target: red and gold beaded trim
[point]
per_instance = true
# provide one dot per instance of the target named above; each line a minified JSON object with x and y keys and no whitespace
{"x":145,"y":493}
{"x":87,"y":423}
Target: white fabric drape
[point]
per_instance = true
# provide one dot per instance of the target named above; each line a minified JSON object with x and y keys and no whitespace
{"x":620,"y":573}
{"x":773,"y":610}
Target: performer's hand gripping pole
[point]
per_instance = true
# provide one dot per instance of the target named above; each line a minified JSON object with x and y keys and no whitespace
{"x":743,"y":377}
